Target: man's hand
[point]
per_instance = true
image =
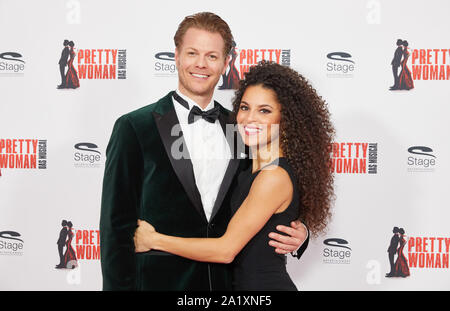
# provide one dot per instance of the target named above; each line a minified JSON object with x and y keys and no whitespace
{"x":297,"y":234}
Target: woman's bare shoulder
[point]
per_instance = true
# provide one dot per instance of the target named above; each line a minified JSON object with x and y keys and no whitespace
{"x":273,"y":179}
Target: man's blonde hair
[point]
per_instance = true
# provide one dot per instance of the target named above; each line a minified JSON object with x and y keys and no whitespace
{"x":206,"y":21}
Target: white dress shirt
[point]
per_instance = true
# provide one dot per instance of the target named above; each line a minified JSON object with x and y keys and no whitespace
{"x":208,"y":150}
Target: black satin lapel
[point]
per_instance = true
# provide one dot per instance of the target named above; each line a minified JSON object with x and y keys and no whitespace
{"x":238,"y":151}
{"x":223,"y":120}
{"x":227,"y":122}
{"x":180,"y":161}
{"x":224,"y":187}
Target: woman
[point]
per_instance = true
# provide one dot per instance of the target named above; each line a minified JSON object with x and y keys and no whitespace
{"x":70,"y":259}
{"x":289,"y":178}
{"x":72,"y":81}
{"x":401,"y":264}
{"x":405,"y":80}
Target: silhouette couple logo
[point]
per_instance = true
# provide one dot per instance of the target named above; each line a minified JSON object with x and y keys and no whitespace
{"x":402,"y":81}
{"x":399,"y":267}
{"x":230,"y":79}
{"x":69,"y":78}
{"x":67,"y":258}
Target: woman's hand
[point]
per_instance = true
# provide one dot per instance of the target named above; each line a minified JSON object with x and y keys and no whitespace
{"x":143,"y":236}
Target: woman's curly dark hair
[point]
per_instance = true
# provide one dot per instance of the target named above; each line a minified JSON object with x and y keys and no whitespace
{"x":306,"y":133}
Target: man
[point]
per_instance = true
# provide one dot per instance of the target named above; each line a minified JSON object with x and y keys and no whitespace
{"x":63,"y":63}
{"x":396,"y":63}
{"x":61,"y":243}
{"x":148,"y":176}
{"x":392,"y":250}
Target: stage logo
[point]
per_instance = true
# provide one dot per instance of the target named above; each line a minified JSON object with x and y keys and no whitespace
{"x":340,"y":65}
{"x":336,"y":251}
{"x":354,"y":158}
{"x":11,"y":64}
{"x":23,"y":153}
{"x":87,"y":156}
{"x":164,"y":65}
{"x":11,"y":243}
{"x":421,"y":159}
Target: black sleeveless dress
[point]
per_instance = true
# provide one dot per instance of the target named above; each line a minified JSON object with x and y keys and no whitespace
{"x":258,"y":267}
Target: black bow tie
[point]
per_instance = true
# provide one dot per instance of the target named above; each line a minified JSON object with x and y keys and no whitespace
{"x":211,"y":115}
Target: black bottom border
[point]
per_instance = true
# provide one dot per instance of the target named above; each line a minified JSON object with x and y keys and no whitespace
{"x":223,"y":300}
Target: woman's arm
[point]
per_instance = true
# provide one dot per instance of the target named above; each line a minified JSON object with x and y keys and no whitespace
{"x":271,"y":191}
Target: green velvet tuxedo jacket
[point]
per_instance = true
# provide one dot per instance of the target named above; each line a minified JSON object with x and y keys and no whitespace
{"x":144,"y":180}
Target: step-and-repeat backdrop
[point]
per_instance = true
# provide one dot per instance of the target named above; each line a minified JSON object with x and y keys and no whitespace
{"x":391,"y":153}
